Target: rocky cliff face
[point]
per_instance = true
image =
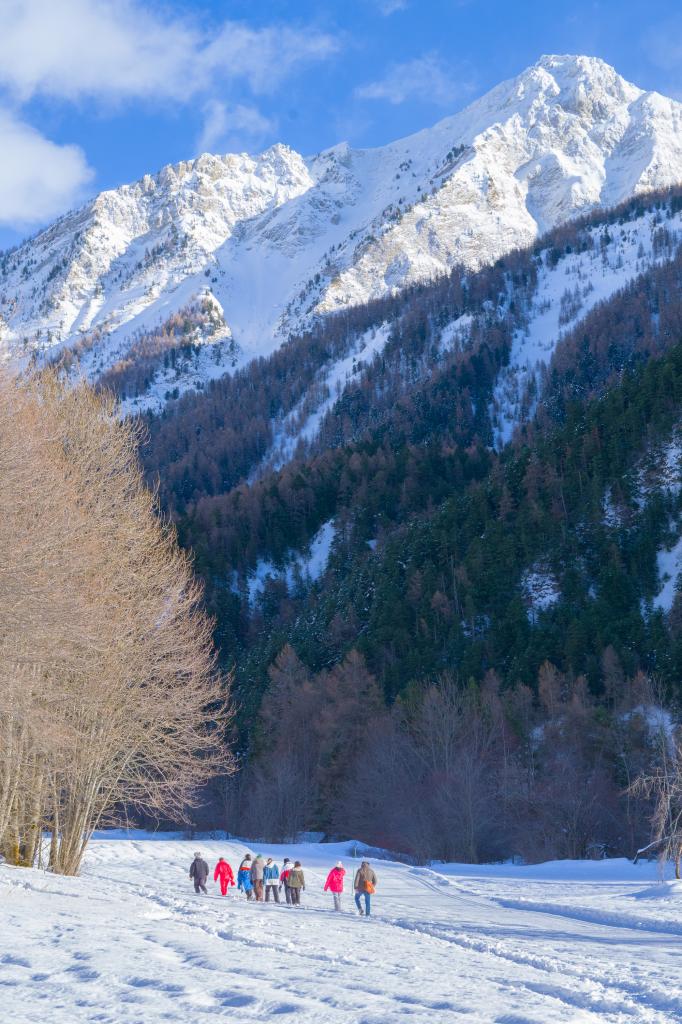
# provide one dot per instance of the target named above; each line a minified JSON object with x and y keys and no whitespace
{"x":276,"y":240}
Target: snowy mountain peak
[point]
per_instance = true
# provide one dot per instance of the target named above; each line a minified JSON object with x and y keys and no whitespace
{"x":275,"y":240}
{"x":570,"y":67}
{"x":573,"y":78}
{"x":586,"y":87}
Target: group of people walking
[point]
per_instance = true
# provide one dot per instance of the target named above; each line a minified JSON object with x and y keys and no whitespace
{"x":261,"y":879}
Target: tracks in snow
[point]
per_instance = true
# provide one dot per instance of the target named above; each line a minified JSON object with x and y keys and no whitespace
{"x":575,"y":985}
{"x":606,"y":995}
{"x":561,"y":969}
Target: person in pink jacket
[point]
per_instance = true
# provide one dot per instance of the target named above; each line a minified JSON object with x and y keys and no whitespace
{"x":334,"y":883}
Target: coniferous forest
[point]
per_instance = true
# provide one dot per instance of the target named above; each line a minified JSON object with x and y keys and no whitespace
{"x":484,"y":652}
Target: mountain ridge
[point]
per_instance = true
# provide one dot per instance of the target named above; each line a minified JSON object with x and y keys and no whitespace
{"x":275,"y":241}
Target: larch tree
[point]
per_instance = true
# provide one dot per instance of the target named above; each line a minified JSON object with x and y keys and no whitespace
{"x":109,"y":691}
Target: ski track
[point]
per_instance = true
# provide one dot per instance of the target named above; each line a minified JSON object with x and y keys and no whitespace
{"x":605,"y":986}
{"x":129,"y":944}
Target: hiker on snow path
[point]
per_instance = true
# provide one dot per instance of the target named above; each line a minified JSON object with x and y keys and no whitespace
{"x":364,"y":884}
{"x":244,"y":877}
{"x":271,"y":880}
{"x":296,"y":883}
{"x":284,"y":879}
{"x":334,"y":883}
{"x":198,"y":872}
{"x":223,"y":871}
{"x":257,"y":870}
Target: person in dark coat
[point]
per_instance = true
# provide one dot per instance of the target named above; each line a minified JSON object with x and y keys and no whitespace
{"x":198,"y":872}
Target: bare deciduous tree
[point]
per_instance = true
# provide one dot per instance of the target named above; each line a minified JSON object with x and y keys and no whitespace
{"x":662,"y":783}
{"x":109,"y":692}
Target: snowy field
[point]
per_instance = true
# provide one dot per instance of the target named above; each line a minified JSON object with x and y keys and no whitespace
{"x":130,"y":942}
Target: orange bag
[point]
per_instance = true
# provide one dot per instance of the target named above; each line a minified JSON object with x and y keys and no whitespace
{"x":369,"y":888}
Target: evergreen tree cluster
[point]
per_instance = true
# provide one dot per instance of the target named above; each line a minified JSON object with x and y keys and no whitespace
{"x":510,"y":592}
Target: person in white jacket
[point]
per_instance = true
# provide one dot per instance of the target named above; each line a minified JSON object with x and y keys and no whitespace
{"x":271,"y":880}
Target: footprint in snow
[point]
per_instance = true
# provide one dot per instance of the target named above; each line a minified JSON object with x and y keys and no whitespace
{"x":233,"y":999}
{"x":159,"y":986}
{"x":83,"y":974}
{"x":14,"y":961}
{"x":511,"y":1018}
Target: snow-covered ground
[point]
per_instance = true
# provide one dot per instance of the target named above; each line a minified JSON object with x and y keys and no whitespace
{"x":669,"y":568}
{"x":128,"y":941}
{"x":306,"y":567}
{"x":540,"y":590}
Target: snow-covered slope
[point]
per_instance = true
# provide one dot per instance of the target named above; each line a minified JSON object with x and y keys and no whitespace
{"x":302,"y":424}
{"x":298,"y":570}
{"x":571,"y":942}
{"x":276,"y":240}
{"x":568,"y":289}
{"x":133,"y":254}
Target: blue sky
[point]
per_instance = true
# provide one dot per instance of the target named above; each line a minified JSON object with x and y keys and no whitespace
{"x":94,"y":93}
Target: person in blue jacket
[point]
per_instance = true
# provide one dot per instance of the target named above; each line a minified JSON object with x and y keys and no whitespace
{"x":244,"y":877}
{"x":271,"y":880}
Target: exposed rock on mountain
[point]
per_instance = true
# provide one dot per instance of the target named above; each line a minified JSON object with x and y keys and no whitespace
{"x":274,"y":241}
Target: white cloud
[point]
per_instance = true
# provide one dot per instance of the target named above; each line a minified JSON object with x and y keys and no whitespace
{"x":388,"y":7}
{"x":222,"y":123}
{"x":663,"y":45}
{"x":425,"y":78}
{"x":123,"y":49}
{"x":264,"y":57}
{"x":38,"y":179}
{"x":115,"y":51}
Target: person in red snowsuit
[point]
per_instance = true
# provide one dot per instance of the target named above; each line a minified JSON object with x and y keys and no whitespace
{"x":335,"y":883}
{"x":223,"y":871}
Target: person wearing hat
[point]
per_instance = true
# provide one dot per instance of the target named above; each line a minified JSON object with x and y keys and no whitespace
{"x":257,"y":871}
{"x":284,"y":879}
{"x":364,"y":885}
{"x":271,"y":880}
{"x":244,"y":877}
{"x":198,"y":872}
{"x":296,"y":883}
{"x":334,"y":883}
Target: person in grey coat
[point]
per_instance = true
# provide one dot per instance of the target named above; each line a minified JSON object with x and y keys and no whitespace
{"x":198,"y":872}
{"x":257,"y":872}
